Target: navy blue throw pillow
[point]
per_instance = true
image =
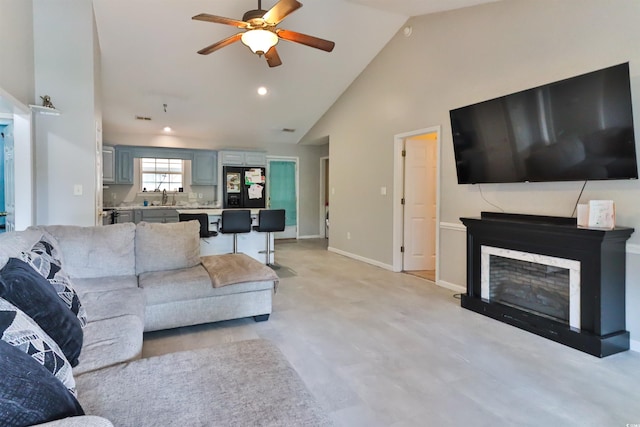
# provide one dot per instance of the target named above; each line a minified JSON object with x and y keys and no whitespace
{"x":25,"y":288}
{"x":29,"y":393}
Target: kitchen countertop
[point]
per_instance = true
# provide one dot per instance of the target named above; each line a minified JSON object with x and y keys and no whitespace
{"x":210,"y":211}
{"x":129,"y":208}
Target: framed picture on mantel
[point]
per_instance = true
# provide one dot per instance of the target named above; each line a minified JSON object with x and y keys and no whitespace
{"x":597,"y":214}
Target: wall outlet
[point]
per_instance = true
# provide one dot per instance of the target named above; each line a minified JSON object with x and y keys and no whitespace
{"x":200,"y":195}
{"x":348,"y":235}
{"x":383,"y":191}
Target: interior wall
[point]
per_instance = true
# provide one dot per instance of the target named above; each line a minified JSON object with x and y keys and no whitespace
{"x":65,"y":145}
{"x":16,"y":45}
{"x":457,"y":58}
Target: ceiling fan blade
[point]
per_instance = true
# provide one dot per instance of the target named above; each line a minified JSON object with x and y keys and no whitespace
{"x":220,"y":20}
{"x":219,"y":45}
{"x":305,"y":39}
{"x":280,"y":11}
{"x":273,"y":59}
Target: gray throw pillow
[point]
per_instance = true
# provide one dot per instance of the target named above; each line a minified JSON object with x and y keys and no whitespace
{"x":19,"y":330}
{"x":46,"y":259}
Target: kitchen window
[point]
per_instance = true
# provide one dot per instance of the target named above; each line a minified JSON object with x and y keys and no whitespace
{"x":161,"y":174}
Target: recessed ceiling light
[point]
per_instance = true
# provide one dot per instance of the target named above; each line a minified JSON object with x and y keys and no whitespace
{"x":167,"y":129}
{"x":262,"y":91}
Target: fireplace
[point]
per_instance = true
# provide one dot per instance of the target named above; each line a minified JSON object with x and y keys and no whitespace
{"x":539,"y":284}
{"x":547,"y":276}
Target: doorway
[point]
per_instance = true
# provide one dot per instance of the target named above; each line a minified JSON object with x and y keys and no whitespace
{"x":3,"y":209}
{"x":324,"y":197}
{"x":282,"y":192}
{"x":18,"y":163}
{"x":416,"y":212}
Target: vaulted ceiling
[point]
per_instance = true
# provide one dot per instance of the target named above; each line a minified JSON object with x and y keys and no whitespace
{"x":149,"y":60}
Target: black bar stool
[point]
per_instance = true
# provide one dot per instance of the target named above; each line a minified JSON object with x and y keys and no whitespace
{"x":203,"y":219}
{"x":269,"y":221}
{"x":236,"y":221}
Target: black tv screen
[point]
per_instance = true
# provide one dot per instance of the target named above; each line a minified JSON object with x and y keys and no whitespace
{"x":576,"y":129}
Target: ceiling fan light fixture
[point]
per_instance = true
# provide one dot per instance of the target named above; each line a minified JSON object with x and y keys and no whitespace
{"x":259,"y":41}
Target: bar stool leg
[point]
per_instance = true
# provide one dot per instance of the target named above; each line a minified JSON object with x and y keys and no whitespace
{"x":268,"y":251}
{"x":235,"y":243}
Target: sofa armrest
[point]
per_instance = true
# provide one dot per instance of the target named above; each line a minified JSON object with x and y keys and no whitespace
{"x":83,"y":421}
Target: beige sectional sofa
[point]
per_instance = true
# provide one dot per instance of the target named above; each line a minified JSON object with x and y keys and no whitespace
{"x":146,"y":277}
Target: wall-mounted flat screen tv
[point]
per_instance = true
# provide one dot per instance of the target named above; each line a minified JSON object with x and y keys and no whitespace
{"x":576,"y":129}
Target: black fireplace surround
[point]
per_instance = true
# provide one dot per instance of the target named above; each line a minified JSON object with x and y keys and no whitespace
{"x":601,"y":254}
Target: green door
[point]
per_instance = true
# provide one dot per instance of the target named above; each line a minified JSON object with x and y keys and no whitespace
{"x":282,"y":194}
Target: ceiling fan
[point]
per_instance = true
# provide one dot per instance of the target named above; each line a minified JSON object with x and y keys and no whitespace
{"x":262,"y":34}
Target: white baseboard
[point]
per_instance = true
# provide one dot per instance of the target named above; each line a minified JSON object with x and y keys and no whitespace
{"x":363,"y":259}
{"x":451,"y":286}
{"x":634,"y":345}
{"x":316,"y":236}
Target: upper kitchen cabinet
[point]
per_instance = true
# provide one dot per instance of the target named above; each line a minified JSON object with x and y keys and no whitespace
{"x":243,"y":158}
{"x":255,"y":158}
{"x":124,"y":165}
{"x":108,"y":165}
{"x":204,"y":168}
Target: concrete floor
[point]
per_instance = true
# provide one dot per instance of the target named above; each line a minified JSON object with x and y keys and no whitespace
{"x":378,"y":348}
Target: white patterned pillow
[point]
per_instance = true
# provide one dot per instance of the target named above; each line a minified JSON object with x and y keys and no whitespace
{"x":19,"y":330}
{"x":46,"y":259}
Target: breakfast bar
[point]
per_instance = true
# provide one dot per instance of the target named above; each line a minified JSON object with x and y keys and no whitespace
{"x":253,"y":244}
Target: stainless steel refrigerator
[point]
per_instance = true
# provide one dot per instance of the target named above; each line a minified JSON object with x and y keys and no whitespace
{"x":244,"y":187}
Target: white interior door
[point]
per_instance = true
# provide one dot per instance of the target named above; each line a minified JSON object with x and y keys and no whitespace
{"x":420,"y":203}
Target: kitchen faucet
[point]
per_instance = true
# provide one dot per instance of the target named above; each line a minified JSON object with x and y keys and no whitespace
{"x":165,"y":199}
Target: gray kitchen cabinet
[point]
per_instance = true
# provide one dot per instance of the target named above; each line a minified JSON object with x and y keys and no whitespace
{"x":108,"y":165}
{"x":124,"y":165}
{"x":160,"y":215}
{"x":204,"y":168}
{"x":255,"y":158}
{"x":123,"y":216}
{"x":243,"y":158}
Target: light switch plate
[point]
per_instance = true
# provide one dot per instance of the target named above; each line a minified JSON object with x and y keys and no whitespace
{"x":77,"y":190}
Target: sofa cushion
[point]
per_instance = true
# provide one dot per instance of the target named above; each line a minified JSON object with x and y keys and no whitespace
{"x":19,"y":330}
{"x":25,"y":288}
{"x":96,"y":251}
{"x":46,"y":259}
{"x":109,"y":304}
{"x":189,"y":283}
{"x":162,"y":247}
{"x":245,"y":383}
{"x":109,"y":342}
{"x":101,"y":284}
{"x":29,"y":394}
